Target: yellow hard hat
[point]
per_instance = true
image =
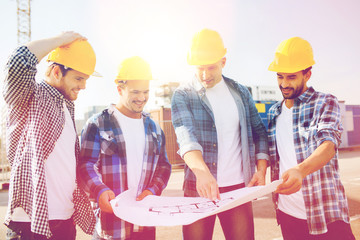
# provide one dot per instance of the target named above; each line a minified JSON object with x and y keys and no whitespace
{"x":134,"y":68}
{"x":292,"y":55}
{"x":79,"y":55}
{"x":207,"y":47}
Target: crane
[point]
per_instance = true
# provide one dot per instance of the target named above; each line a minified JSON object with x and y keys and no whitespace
{"x":23,"y":21}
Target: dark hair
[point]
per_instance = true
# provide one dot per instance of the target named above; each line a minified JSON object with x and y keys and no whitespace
{"x":306,"y":70}
{"x":122,"y":83}
{"x":63,"y":69}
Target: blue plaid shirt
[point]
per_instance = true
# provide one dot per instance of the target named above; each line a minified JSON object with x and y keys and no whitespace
{"x":195,"y":129}
{"x":103,"y":165}
{"x":316,"y":118}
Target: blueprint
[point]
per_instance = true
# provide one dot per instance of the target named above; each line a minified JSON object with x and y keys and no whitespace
{"x":172,"y":211}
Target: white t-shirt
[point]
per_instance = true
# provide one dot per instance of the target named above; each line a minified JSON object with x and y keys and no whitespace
{"x":134,"y":135}
{"x":292,"y":204}
{"x":229,"y":170}
{"x":60,"y":175}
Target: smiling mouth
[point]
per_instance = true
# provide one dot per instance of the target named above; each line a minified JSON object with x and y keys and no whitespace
{"x":286,"y":90}
{"x":207,"y":81}
{"x":139,"y":104}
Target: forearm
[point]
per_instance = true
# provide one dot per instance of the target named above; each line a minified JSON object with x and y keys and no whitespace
{"x":161,"y":175}
{"x":206,"y":184}
{"x":194,"y":160}
{"x":90,"y":181}
{"x":319,"y":158}
{"x":40,"y":48}
{"x":261,"y":165}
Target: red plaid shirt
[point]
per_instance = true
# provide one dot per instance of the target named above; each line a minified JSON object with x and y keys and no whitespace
{"x":35,"y":122}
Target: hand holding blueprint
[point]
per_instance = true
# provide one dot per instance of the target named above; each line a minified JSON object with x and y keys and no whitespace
{"x":172,"y":211}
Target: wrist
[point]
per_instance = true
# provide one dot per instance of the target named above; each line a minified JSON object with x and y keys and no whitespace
{"x":262,"y":165}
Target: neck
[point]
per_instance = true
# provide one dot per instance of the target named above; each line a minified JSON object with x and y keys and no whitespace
{"x":124,"y":110}
{"x":289,"y":103}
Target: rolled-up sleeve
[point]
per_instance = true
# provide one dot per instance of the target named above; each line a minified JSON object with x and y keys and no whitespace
{"x":184,"y":124}
{"x":19,"y":82}
{"x":260,"y":137}
{"x":90,"y":179}
{"x":329,"y":127}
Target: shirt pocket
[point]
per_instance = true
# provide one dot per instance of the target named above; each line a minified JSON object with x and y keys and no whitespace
{"x":308,"y":132}
{"x":108,"y":143}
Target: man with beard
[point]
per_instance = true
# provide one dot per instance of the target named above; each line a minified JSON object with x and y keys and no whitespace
{"x":304,"y":135}
{"x":42,"y":144}
{"x":123,"y":148}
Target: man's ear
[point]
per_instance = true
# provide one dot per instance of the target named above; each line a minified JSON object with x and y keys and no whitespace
{"x":308,"y":75}
{"x":56,"y":72}
{"x":119,"y":89}
{"x":223,"y":62}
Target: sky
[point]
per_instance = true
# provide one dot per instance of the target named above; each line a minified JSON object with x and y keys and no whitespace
{"x":160,"y":31}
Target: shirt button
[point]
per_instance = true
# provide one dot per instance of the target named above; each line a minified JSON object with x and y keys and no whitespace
{"x":214,"y":164}
{"x":214,"y":145}
{"x":213,"y":125}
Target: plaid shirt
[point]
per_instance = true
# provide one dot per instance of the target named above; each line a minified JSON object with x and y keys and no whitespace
{"x":195,"y":129}
{"x":35,"y":121}
{"x":316,"y":118}
{"x":103,"y":165}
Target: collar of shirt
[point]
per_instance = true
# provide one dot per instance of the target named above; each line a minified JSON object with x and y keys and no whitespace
{"x":199,"y":87}
{"x":113,"y":108}
{"x":59,"y":98}
{"x":305,"y":97}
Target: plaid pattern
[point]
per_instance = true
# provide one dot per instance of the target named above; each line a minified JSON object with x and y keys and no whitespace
{"x":195,"y":129}
{"x":316,"y":118}
{"x":103,"y":166}
{"x":35,"y":121}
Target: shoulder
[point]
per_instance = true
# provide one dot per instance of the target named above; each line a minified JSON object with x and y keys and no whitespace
{"x":275,"y":106}
{"x":100,"y":117}
{"x":238,"y":86}
{"x":185,"y":88}
{"x":324,"y":98}
{"x":154,"y":124}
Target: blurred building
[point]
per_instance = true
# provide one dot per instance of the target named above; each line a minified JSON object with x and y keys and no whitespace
{"x":163,"y":94}
{"x":265,"y":93}
{"x":90,"y":111}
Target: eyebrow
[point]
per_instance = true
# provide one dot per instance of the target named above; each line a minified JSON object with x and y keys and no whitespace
{"x":293,"y":75}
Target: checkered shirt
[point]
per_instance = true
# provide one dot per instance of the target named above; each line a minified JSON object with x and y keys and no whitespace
{"x":103,"y":166}
{"x":195,"y":129}
{"x":316,"y":118}
{"x":35,"y":121}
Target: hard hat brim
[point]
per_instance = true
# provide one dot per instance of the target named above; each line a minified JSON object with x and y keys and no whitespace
{"x":96,"y":74}
{"x":275,"y":68}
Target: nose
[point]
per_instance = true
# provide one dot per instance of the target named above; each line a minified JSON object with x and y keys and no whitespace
{"x":284,"y":83}
{"x":142,"y":97}
{"x":204,"y":74}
